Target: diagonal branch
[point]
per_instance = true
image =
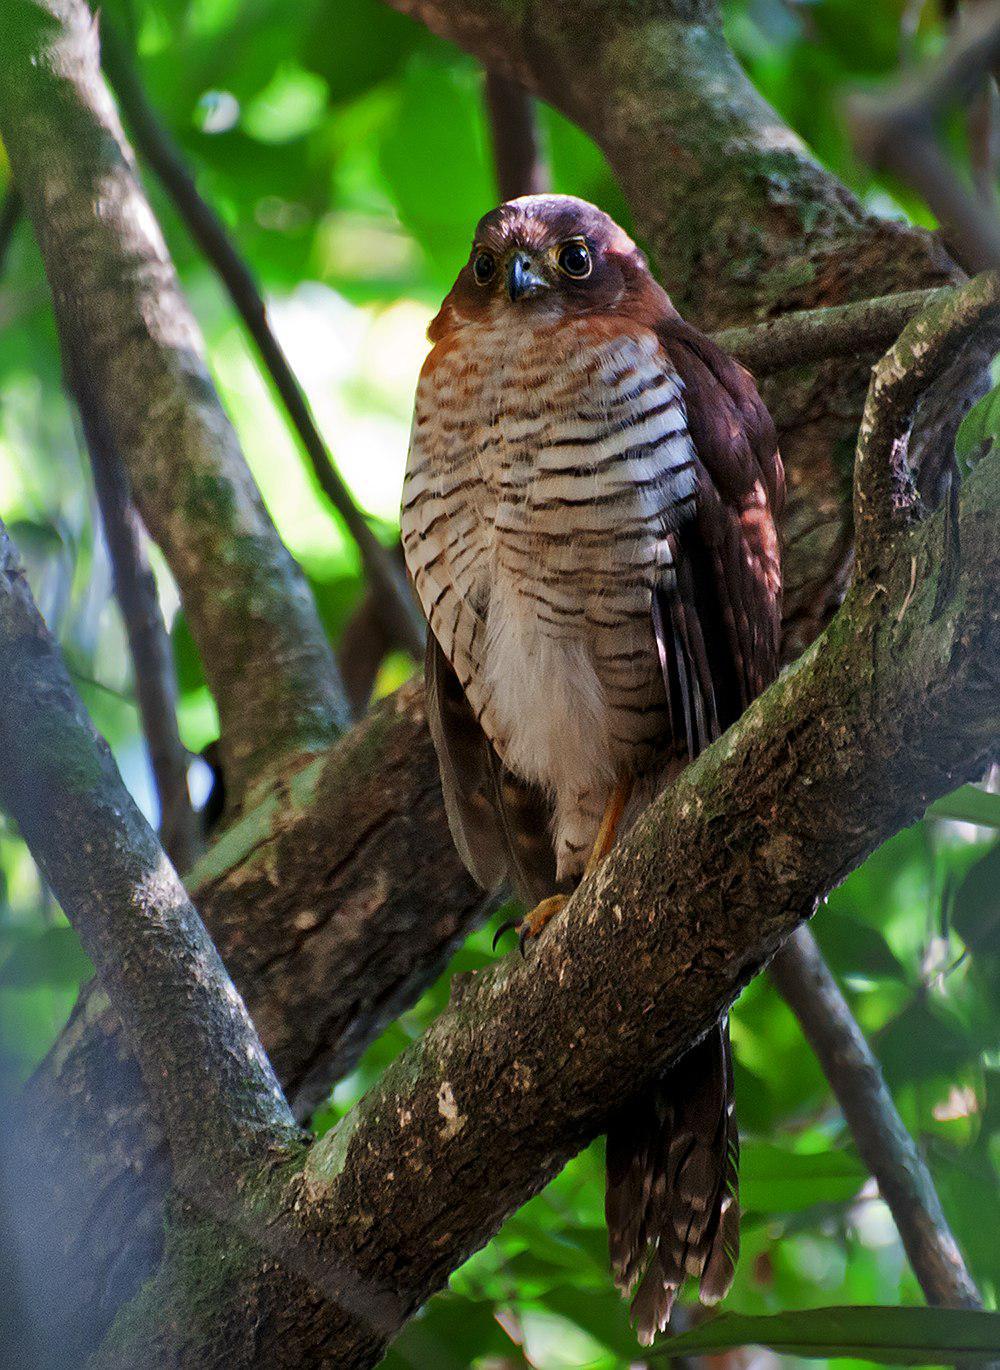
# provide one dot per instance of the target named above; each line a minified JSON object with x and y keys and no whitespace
{"x":651,"y":949}
{"x":149,"y":644}
{"x":895,"y":132}
{"x":879,"y":1133}
{"x":393,"y":596}
{"x":198,"y":1050}
{"x":127,"y":331}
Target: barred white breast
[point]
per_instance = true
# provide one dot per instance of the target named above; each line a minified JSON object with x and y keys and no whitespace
{"x":547,"y":467}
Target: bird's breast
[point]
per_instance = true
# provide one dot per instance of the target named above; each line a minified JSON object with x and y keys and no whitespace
{"x":546,"y":469}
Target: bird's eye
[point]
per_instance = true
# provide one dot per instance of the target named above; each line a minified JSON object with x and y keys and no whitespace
{"x":484,"y":267}
{"x":574,"y":260}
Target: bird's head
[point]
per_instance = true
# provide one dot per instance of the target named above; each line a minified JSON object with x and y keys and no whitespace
{"x":545,"y":256}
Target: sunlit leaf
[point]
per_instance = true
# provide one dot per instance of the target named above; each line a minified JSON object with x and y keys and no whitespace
{"x":969,"y":804}
{"x":776,"y":1180}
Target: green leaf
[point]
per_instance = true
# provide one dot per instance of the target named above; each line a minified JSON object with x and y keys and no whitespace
{"x":976,"y":911}
{"x":978,"y":430}
{"x":776,"y":1180}
{"x":888,"y":1336}
{"x":969,"y":804}
{"x":435,"y":159}
{"x":852,"y":946}
{"x":53,"y":957}
{"x":922,"y":1042}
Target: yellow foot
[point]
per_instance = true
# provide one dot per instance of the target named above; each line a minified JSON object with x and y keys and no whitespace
{"x":532,"y":923}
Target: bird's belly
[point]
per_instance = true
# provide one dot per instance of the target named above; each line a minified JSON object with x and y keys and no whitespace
{"x":570,"y":666}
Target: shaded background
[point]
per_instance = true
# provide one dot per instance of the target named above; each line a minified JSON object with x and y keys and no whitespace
{"x":348,"y":151}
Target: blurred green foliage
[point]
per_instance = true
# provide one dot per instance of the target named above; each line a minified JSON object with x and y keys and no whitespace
{"x":348,"y":151}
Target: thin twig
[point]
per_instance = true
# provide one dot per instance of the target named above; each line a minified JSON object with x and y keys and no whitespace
{"x":156,"y":146}
{"x":895,"y":132}
{"x":886,"y":1147}
{"x":149,"y":643}
{"x":517,"y":151}
{"x":840,"y":330}
{"x":10,"y":217}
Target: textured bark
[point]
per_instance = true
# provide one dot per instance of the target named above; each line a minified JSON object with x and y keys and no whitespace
{"x":768,"y":231}
{"x":333,"y":903}
{"x":897,"y":703}
{"x":153,"y":668}
{"x":197,"y":1049}
{"x":136,"y":357}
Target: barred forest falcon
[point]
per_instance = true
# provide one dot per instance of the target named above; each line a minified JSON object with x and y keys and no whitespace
{"x":589,"y":520}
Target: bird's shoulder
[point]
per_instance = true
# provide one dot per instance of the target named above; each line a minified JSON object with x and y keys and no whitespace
{"x":730,"y":425}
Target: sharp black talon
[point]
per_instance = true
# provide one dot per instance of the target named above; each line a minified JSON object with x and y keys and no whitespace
{"x":522,"y":941}
{"x":509,"y":926}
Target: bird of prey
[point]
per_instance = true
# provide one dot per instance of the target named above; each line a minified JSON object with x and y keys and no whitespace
{"x":589,"y":521}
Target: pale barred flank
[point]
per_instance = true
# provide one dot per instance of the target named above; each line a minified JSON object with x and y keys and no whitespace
{"x":546,"y":467}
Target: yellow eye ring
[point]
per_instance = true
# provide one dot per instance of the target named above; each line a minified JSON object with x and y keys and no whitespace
{"x":574,"y":260}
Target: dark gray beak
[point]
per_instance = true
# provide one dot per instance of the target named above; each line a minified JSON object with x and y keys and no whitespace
{"x":522,"y":282}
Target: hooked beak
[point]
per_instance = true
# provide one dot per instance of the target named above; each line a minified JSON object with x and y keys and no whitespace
{"x":522,"y":282}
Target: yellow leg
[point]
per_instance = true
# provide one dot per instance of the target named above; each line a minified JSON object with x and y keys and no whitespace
{"x":608,"y":830}
{"x":535,"y":921}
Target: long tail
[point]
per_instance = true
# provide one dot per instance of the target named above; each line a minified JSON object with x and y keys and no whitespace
{"x":672,"y":1200}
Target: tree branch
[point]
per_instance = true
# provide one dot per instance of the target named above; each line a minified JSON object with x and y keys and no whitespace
{"x":199,"y":1053}
{"x":879,"y":1133}
{"x":517,"y":152}
{"x":862,"y":328}
{"x":126,"y":329}
{"x":149,"y":644}
{"x":895,"y":132}
{"x":884,"y":492}
{"x":393,"y":597}
{"x":10,"y":217}
{"x":507,"y":1084}
{"x":503,"y":1088}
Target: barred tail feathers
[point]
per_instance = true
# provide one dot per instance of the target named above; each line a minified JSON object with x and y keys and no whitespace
{"x":672,"y":1185}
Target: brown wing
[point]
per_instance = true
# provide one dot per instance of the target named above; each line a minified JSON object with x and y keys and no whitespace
{"x":499,"y":824}
{"x":719,"y":626}
{"x":672,"y":1155}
